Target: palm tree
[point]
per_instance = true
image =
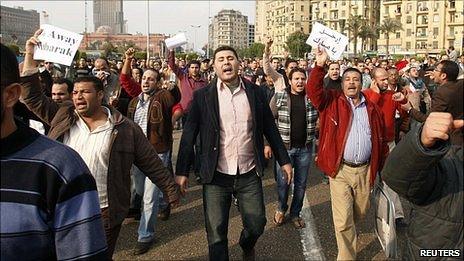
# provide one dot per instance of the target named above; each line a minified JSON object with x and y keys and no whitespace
{"x":367,"y":32}
{"x":353,"y":25}
{"x":389,"y":25}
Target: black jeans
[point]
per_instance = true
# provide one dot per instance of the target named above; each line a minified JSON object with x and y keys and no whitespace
{"x":217,"y":201}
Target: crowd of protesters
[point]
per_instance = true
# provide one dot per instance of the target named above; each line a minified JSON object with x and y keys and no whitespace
{"x":361,"y":119}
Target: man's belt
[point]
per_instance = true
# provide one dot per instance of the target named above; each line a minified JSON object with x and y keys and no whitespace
{"x":355,"y":165}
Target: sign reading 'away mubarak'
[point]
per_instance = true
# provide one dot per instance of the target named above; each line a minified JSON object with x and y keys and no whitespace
{"x":57,"y":45}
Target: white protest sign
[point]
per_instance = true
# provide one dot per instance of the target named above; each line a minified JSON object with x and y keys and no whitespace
{"x":176,"y":41}
{"x":332,"y":41}
{"x":57,"y":45}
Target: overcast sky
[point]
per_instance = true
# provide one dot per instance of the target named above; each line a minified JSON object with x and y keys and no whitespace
{"x":168,"y":17}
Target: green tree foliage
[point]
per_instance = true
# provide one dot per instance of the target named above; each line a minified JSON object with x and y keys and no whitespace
{"x":14,"y":48}
{"x":354,"y":25}
{"x":108,"y":49}
{"x":389,"y":25}
{"x":255,"y":50}
{"x":140,"y":55}
{"x":296,"y":44}
{"x":367,"y":32}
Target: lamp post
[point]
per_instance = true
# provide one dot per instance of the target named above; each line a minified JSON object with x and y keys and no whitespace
{"x":195,"y":27}
{"x":148,"y":30}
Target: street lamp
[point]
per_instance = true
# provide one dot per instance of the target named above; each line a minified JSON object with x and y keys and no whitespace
{"x":195,"y":27}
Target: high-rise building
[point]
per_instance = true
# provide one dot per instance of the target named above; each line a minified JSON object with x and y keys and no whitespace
{"x":109,"y":13}
{"x":429,"y":27}
{"x":18,"y":25}
{"x":335,"y":14}
{"x":251,"y":34}
{"x":279,"y":19}
{"x":229,"y":27}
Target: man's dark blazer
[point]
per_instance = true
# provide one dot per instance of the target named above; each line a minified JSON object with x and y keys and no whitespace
{"x":203,"y":119}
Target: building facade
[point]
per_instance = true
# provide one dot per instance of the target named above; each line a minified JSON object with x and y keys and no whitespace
{"x":96,"y":40}
{"x":279,"y":19}
{"x":229,"y":27}
{"x":429,"y":27}
{"x":335,"y":15}
{"x":251,"y":34}
{"x":18,"y":25}
{"x":109,"y":13}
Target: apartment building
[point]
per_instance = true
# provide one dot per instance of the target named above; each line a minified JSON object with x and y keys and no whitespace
{"x":335,"y":14}
{"x":429,"y":27}
{"x":229,"y":27}
{"x":279,"y":19}
{"x":17,"y":25}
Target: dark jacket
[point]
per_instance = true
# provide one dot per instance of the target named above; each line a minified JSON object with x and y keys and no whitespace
{"x":159,"y":124}
{"x":203,"y":119}
{"x":434,"y":185}
{"x":128,"y":146}
{"x":447,"y":98}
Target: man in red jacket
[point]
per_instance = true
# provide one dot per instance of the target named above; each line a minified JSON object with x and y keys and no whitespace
{"x":351,"y":149}
{"x":388,"y":102}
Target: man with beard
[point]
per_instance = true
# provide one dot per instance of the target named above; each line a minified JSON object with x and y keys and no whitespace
{"x":108,"y":142}
{"x":231,"y":116}
{"x":151,"y":110}
{"x":351,"y":149}
{"x":49,"y":200}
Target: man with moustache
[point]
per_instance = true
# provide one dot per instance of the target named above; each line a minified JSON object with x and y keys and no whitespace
{"x":108,"y":142}
{"x":61,"y":90}
{"x":389,"y":102}
{"x":351,"y":149}
{"x":231,"y":116}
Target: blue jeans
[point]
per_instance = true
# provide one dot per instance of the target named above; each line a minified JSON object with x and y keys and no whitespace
{"x":300,"y":159}
{"x":152,"y":201}
{"x":216,"y":206}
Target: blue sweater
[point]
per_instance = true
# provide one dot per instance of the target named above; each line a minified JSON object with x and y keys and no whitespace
{"x":49,"y":204}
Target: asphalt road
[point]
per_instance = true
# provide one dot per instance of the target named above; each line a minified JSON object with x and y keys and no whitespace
{"x":183,"y":236}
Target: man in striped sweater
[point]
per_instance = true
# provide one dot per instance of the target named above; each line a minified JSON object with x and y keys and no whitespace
{"x":49,"y":203}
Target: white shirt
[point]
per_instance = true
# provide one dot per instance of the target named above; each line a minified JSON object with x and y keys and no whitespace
{"x":93,"y":147}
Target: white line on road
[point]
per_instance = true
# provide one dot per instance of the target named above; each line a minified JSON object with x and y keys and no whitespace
{"x":310,"y":242}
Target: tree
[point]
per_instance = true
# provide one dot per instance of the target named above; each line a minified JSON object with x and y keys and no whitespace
{"x":254,"y":50}
{"x":353,"y":25}
{"x":366,"y":32}
{"x":389,"y":26}
{"x":296,"y":44}
{"x":108,"y":49}
{"x":140,"y":55}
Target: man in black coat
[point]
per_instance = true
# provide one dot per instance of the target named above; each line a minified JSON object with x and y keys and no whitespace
{"x":231,"y":116}
{"x":418,"y":170}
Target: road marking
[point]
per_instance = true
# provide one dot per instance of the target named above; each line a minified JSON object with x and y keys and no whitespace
{"x":310,"y":242}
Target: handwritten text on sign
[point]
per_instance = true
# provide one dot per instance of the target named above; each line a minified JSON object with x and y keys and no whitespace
{"x":57,"y":45}
{"x":332,"y":41}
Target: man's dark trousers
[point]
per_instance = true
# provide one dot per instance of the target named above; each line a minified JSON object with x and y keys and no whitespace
{"x":217,"y":198}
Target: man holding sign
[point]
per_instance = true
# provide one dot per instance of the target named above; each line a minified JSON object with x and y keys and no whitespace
{"x":350,"y":151}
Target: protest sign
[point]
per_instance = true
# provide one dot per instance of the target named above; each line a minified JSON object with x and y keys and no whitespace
{"x":57,"y":45}
{"x":176,"y":41}
{"x":332,"y":41}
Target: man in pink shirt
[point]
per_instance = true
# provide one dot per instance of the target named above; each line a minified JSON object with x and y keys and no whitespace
{"x":231,"y":116}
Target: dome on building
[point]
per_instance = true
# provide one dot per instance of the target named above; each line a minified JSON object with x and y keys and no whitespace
{"x":104,"y":29}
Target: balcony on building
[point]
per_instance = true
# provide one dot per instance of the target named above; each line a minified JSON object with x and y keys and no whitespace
{"x":391,"y":2}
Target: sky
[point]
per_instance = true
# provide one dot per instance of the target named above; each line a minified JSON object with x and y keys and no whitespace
{"x":167,"y":17}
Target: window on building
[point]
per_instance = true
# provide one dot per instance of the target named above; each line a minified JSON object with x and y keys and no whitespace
{"x":387,"y":10}
{"x":343,"y":14}
{"x":398,"y":35}
{"x":436,"y":18}
{"x":409,"y":19}
{"x":343,"y":3}
{"x":408,"y":45}
{"x":324,"y":4}
{"x":324,"y":16}
{"x":436,"y":6}
{"x":435,"y":45}
{"x":451,"y":43}
{"x":408,"y":32}
{"x":409,"y":8}
{"x":302,"y":8}
{"x":451,"y":31}
{"x":452,"y":3}
{"x":435,"y":31}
